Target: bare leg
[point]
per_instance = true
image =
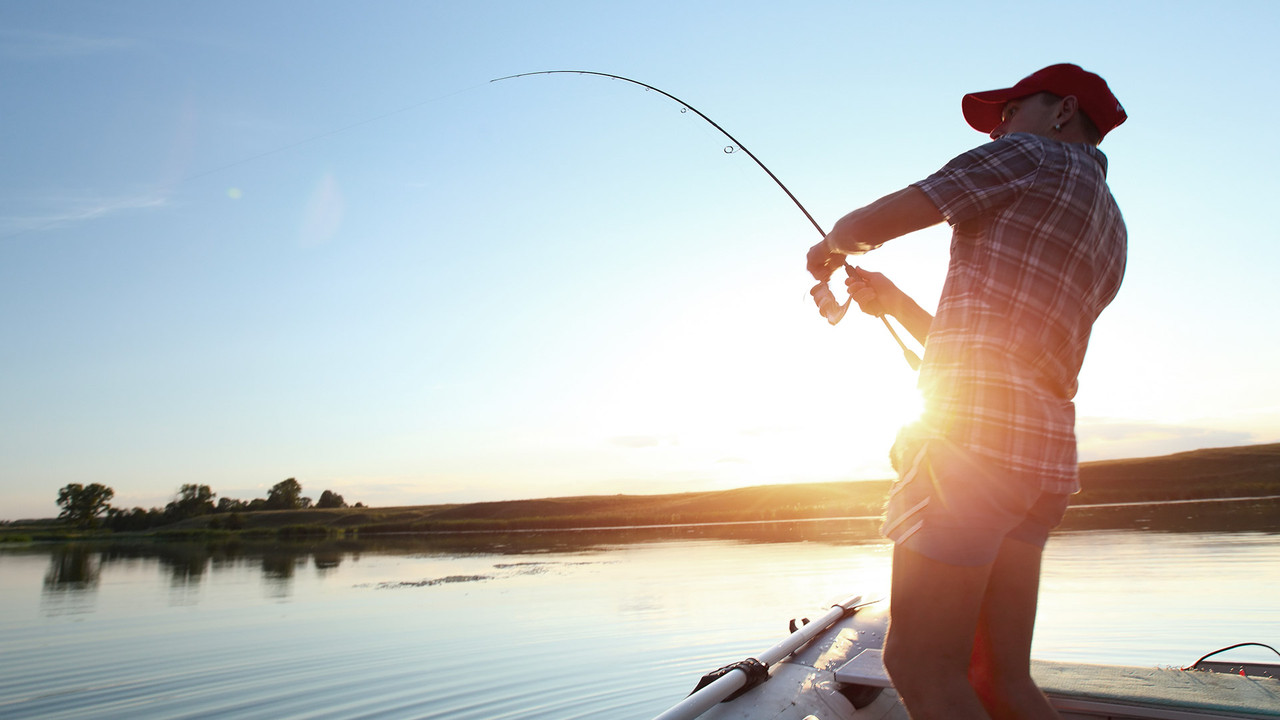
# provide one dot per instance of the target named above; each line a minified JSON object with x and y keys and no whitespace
{"x":1000,"y":670}
{"x":934,"y":610}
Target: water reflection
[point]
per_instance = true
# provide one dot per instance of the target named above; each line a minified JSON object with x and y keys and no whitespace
{"x":396,"y":626}
{"x":327,"y":560}
{"x":185,"y":563}
{"x":71,"y":582}
{"x":279,"y":566}
{"x":75,"y":569}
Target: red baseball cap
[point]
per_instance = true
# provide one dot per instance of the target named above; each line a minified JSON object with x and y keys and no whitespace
{"x":983,"y":109}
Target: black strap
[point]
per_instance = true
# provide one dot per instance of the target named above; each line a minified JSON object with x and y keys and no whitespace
{"x":755,"y":671}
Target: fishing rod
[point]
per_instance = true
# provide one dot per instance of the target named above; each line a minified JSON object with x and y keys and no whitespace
{"x":832,"y":310}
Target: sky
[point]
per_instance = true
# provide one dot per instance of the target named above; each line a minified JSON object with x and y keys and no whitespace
{"x":248,"y":241}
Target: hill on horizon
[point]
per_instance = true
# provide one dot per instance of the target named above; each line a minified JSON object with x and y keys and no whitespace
{"x":1245,"y":471}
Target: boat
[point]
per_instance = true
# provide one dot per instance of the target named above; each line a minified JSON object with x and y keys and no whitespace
{"x":831,"y":668}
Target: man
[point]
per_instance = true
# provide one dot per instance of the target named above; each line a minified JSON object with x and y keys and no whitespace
{"x":1038,"y":250}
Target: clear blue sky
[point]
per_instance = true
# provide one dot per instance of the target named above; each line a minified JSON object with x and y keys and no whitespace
{"x":241,"y":242}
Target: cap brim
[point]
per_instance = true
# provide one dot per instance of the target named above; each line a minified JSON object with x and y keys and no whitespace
{"x":983,"y":110}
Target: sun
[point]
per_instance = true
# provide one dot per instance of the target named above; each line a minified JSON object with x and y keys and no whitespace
{"x":757,"y":399}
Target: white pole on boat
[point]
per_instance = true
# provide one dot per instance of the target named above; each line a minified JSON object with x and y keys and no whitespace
{"x":706,"y":698}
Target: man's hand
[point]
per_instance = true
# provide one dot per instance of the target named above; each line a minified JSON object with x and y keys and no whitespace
{"x":877,"y":295}
{"x":873,"y":292}
{"x":822,"y":262}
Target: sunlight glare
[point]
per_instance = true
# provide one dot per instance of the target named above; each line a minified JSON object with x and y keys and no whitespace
{"x":757,"y":398}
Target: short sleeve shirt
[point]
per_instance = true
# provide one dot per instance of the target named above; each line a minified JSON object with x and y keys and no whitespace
{"x":1038,"y":250}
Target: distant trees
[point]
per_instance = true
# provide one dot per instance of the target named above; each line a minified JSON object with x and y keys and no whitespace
{"x":82,"y":504}
{"x":135,"y":520}
{"x":192,"y":500}
{"x":287,"y":495}
{"x":330,"y":499}
{"x":227,"y":504}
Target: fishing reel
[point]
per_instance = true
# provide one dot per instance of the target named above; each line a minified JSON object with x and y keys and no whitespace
{"x":828,"y":306}
{"x":834,"y":312}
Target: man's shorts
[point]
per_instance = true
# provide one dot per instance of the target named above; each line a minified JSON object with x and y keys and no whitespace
{"x":958,"y":508}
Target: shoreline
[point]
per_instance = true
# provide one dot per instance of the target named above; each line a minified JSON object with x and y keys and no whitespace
{"x":1151,"y":504}
{"x":1220,"y":474}
{"x":1261,"y":513}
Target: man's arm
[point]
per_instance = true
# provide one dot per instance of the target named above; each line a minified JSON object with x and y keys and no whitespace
{"x":869,"y":227}
{"x":877,"y":295}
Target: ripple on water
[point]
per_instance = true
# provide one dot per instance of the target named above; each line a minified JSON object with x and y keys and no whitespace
{"x":614,"y":630}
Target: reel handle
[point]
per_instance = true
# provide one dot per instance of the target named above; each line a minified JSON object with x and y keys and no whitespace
{"x":826,"y":300}
{"x":834,"y":312}
{"x":827,"y":305}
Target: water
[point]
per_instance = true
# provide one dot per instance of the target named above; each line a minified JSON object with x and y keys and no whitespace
{"x":562,"y":625}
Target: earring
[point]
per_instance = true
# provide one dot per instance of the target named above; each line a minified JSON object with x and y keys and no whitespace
{"x":1058,"y":128}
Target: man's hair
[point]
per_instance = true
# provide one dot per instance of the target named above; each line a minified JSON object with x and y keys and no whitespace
{"x":1091,"y":133}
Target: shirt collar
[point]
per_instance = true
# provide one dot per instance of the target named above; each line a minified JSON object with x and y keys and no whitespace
{"x":1097,"y":155}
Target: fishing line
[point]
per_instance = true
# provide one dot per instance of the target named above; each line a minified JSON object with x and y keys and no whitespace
{"x":822,"y":295}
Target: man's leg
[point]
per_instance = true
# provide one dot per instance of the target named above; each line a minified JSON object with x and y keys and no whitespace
{"x":1000,"y":670}
{"x":934,"y":609}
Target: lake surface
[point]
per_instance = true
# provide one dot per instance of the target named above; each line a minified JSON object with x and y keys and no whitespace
{"x":586,"y":624}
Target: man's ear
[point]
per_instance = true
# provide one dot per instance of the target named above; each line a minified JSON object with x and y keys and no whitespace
{"x":1067,"y":109}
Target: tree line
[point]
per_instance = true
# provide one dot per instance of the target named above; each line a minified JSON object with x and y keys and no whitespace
{"x":89,"y":506}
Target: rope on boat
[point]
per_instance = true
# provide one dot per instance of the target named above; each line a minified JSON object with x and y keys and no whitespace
{"x":1196,"y":664}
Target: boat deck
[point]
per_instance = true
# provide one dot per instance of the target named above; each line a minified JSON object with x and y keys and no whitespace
{"x":838,"y":676}
{"x":1109,"y":691}
{"x":1095,"y":691}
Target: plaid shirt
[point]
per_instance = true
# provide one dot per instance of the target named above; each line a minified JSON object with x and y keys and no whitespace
{"x":1038,"y":250}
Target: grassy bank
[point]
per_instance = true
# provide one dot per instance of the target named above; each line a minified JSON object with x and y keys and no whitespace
{"x":1218,"y":473}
